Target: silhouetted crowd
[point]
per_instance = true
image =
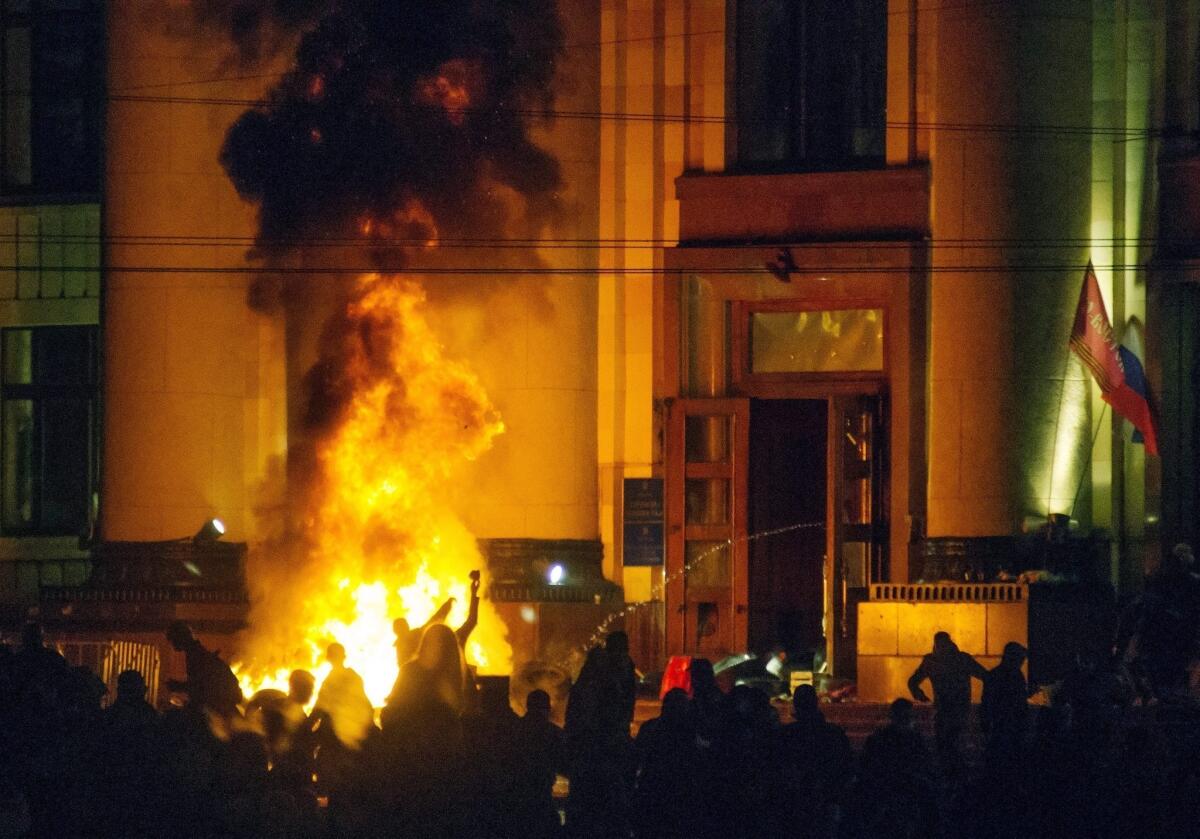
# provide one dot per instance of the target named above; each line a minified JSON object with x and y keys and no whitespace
{"x":449,"y":757}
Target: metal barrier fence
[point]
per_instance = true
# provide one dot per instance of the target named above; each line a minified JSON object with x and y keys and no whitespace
{"x":107,"y":659}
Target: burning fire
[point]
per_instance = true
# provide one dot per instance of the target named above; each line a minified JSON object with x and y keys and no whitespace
{"x":377,"y":540}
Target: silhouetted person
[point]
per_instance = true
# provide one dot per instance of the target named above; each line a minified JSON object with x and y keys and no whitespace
{"x":818,"y":753}
{"x":131,"y":753}
{"x":408,"y":639}
{"x":1163,"y":625}
{"x":893,"y":795}
{"x":544,"y":740}
{"x":301,"y":687}
{"x":623,"y":674}
{"x":542,"y":747}
{"x":1005,"y":707}
{"x":950,"y":671}
{"x":746,"y":761}
{"x":666,"y":801}
{"x":600,"y":759}
{"x":130,"y":701}
{"x":590,"y":698}
{"x":210,"y":683}
{"x":37,"y":666}
{"x":343,"y":699}
{"x":707,"y":701}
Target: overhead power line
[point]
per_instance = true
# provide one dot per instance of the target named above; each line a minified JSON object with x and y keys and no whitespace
{"x":550,"y":270}
{"x":1038,"y":129}
{"x":553,"y":243}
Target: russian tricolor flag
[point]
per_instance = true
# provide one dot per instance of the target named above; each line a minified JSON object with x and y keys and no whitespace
{"x":1116,"y":369}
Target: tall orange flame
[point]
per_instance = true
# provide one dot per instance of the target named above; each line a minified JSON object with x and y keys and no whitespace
{"x":378,"y":538}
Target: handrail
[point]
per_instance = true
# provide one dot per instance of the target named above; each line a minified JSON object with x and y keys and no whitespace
{"x":950,"y":592}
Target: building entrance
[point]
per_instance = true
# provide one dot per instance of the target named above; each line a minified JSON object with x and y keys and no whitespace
{"x":788,"y":486}
{"x":737,"y":468}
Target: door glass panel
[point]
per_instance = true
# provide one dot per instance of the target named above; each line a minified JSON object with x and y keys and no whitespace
{"x":706,"y":439}
{"x":707,"y":501}
{"x":708,"y":564}
{"x":857,"y":454}
{"x":833,"y":340}
{"x":854,"y":563}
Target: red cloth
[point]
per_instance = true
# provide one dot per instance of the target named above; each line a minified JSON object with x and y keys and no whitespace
{"x":677,"y":675}
{"x":1092,"y":340}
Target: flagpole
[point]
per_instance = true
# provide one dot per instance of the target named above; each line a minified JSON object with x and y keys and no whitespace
{"x":1057,"y":421}
{"x":1091,"y":449}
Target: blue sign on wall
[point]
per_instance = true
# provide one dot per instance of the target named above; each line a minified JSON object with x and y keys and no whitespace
{"x":643,"y":517}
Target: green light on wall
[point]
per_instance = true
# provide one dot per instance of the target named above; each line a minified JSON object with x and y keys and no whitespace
{"x":1066,"y":448}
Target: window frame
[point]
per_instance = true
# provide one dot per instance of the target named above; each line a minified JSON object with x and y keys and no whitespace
{"x":744,"y":381}
{"x":88,"y":88}
{"x":791,"y":162}
{"x":86,"y":392}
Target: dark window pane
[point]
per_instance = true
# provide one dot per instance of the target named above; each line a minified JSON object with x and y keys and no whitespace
{"x":53,"y":86}
{"x":766,"y":75}
{"x":18,"y":356}
{"x":65,"y":457}
{"x":811,"y":82}
{"x":62,"y":356}
{"x":18,"y":156}
{"x":18,"y":472}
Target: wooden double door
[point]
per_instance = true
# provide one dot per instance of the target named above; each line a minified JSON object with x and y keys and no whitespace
{"x":774,"y":524}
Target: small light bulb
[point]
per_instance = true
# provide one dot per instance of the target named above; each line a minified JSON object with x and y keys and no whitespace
{"x":555,"y":574}
{"x":219,"y":526}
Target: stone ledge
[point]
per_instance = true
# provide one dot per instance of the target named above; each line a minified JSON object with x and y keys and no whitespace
{"x":888,"y":203}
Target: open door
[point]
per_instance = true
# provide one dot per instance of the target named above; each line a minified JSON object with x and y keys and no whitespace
{"x":707,"y":452}
{"x":858,"y":535}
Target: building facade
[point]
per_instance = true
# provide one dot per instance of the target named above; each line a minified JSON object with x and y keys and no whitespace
{"x":50,"y":290}
{"x":870,"y":259}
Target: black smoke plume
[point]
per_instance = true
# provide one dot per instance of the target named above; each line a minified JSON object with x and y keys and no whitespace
{"x":258,"y":28}
{"x":400,"y":118}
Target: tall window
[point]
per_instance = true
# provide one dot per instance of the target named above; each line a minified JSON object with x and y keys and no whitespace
{"x":51,"y":104}
{"x":47,"y":450}
{"x":811,"y":83}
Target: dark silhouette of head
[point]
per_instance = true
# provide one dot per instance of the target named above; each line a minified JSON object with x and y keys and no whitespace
{"x":617,"y":643}
{"x":537,"y":705}
{"x":594,"y":666}
{"x":439,"y":658}
{"x":180,"y":635}
{"x":400,"y":627}
{"x":31,"y":636}
{"x":704,"y":680}
{"x":1014,"y":654}
{"x":335,"y":654}
{"x":438,"y":651}
{"x":301,"y":685}
{"x":676,"y":706}
{"x":900,"y":712}
{"x":943,"y":644}
{"x":804,"y":702}
{"x":131,"y":687}
{"x":1182,"y":553}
